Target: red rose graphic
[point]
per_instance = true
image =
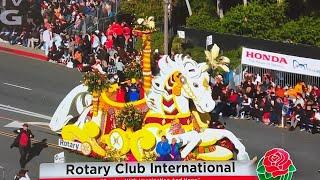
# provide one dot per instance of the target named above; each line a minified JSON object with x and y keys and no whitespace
{"x":277,"y":162}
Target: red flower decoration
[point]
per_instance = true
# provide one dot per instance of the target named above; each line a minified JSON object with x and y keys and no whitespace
{"x":277,"y":162}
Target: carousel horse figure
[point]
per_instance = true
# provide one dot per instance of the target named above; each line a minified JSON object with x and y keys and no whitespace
{"x":179,"y":80}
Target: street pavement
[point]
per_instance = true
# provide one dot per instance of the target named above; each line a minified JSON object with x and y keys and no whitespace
{"x":31,"y":90}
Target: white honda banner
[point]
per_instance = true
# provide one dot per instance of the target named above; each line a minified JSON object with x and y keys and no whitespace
{"x":280,"y":62}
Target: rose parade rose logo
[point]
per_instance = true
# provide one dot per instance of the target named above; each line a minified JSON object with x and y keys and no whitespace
{"x":276,"y":165}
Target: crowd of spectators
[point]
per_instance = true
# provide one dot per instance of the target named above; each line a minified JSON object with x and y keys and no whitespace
{"x":57,"y":17}
{"x":260,"y":99}
{"x":109,"y":51}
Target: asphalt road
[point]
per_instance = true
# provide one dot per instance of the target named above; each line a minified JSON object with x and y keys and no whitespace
{"x":32,"y":86}
{"x":30,"y":91}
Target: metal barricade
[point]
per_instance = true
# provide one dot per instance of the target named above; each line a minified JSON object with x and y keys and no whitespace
{"x":283,"y":78}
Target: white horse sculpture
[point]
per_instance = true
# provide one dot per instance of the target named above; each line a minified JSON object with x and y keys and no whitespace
{"x":179,"y":80}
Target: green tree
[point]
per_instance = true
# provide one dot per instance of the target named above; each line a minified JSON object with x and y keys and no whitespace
{"x":202,"y":6}
{"x":143,"y":8}
{"x":235,"y":57}
{"x":156,"y":42}
{"x":197,"y":53}
{"x":306,"y":30}
{"x":253,"y":20}
{"x":202,"y":21}
{"x":297,"y":8}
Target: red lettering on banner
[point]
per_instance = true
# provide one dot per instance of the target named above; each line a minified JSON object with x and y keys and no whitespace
{"x":275,"y":59}
{"x":283,"y":60}
{"x":266,"y":57}
{"x":250,"y":54}
{"x":258,"y":56}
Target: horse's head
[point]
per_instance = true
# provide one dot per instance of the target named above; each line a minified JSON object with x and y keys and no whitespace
{"x":191,"y":80}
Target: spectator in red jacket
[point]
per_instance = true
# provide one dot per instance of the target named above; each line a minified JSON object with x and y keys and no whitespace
{"x":23,"y":142}
{"x":233,"y":99}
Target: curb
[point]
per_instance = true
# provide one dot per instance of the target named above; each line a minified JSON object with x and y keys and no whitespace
{"x":24,"y":53}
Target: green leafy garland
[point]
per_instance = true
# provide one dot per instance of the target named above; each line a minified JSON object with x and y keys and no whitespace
{"x":129,"y":117}
{"x":133,"y":70}
{"x":95,"y":81}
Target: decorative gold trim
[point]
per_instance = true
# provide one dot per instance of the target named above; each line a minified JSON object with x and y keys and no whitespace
{"x":158,"y":115}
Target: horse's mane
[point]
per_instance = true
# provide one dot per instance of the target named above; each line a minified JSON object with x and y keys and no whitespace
{"x":167,"y":67}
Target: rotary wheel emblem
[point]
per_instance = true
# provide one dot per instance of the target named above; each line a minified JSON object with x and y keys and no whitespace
{"x":86,"y":148}
{"x":116,"y":140}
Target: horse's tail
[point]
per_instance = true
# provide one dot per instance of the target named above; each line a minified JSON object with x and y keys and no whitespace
{"x":62,"y":114}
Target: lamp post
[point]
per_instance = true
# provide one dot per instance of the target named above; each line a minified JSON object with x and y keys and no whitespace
{"x":166,"y":27}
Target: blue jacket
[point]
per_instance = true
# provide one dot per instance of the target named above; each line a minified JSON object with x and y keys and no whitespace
{"x":163,"y":148}
{"x":175,"y":149}
{"x":133,"y":93}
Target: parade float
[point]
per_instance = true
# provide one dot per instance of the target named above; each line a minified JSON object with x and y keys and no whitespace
{"x":90,"y":117}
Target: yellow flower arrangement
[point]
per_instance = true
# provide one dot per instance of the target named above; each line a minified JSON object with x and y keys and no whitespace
{"x":149,"y":156}
{"x":113,"y":155}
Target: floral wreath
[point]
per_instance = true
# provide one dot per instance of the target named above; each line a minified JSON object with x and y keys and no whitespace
{"x":275,"y":165}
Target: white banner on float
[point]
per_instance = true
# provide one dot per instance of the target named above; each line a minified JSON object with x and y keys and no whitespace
{"x":202,"y":170}
{"x":280,"y":62}
{"x":69,"y":145}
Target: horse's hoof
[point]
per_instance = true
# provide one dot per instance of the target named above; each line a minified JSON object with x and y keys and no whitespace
{"x":254,"y":160}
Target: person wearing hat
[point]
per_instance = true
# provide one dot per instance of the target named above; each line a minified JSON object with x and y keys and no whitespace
{"x":133,"y":92}
{"x":23,"y":142}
